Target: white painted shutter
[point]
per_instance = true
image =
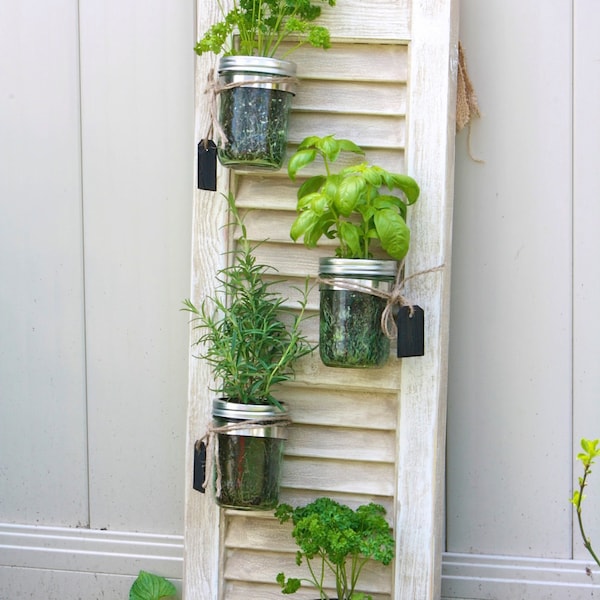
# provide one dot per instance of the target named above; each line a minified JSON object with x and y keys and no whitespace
{"x":358,"y":435}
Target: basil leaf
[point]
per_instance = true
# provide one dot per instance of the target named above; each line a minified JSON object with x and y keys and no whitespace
{"x":148,"y":586}
{"x":394,"y":233}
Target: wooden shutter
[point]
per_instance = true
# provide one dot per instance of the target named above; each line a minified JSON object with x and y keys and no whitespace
{"x":358,"y":435}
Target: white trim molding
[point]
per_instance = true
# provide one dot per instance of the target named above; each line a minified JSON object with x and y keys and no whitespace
{"x":90,"y":551}
{"x":32,"y":553}
{"x":485,"y":577}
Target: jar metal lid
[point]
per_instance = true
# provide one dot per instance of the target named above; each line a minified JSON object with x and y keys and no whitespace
{"x":243,"y":412}
{"x":225,"y":412}
{"x":258,"y":64}
{"x":358,"y":267}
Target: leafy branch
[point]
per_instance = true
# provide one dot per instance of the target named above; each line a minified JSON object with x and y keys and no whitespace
{"x":590,"y":452}
{"x":349,"y":205}
{"x":247,"y":334}
{"x":334,"y":538}
{"x":262,"y":25}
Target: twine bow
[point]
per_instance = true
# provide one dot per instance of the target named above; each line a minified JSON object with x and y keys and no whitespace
{"x":393,"y":298}
{"x":211,"y":440}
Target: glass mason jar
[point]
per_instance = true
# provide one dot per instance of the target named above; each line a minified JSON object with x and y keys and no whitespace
{"x":248,"y":461}
{"x":254,"y":111}
{"x":350,"y":333}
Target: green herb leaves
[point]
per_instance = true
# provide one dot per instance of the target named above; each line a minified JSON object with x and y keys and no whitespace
{"x":590,"y":452}
{"x":348,"y":206}
{"x":340,"y":540}
{"x":148,"y":586}
{"x":249,"y":337}
{"x":262,"y":25}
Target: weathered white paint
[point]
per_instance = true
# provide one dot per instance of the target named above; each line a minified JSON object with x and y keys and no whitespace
{"x":337,"y":412}
{"x":422,"y":418}
{"x":201,"y":528}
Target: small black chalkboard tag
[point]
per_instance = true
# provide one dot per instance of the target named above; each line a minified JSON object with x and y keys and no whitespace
{"x":199,"y":466}
{"x":411,"y":331}
{"x":207,"y":166}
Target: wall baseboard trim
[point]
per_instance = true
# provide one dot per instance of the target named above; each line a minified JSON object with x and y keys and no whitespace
{"x":90,"y":551}
{"x":119,"y":553}
{"x":487,"y":577}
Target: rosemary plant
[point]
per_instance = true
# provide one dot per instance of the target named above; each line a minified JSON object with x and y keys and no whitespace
{"x":247,"y":334}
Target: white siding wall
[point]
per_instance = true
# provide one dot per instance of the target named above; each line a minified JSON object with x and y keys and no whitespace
{"x":524,"y":327}
{"x":511,"y":328}
{"x":42,"y":354}
{"x":96,"y":154}
{"x":586,"y":247}
{"x":110,"y":178}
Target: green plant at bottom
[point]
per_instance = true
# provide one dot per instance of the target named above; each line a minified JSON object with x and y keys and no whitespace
{"x":336,"y":539}
{"x":590,"y":452}
{"x":149,"y":586}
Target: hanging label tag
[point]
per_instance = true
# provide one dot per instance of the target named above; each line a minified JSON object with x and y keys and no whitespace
{"x":199,"y":466}
{"x":207,"y":166}
{"x":411,"y":331}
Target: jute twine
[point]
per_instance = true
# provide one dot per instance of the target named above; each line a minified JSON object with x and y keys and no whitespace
{"x":211,"y":440}
{"x":214,"y":88}
{"x":393,"y":298}
{"x":467,"y":107}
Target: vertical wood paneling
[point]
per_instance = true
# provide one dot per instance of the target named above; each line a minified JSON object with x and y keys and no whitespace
{"x":42,"y":381}
{"x":586,"y":283}
{"x":510,"y":372}
{"x":137,"y":91}
{"x":422,"y":418}
{"x":201,"y":567}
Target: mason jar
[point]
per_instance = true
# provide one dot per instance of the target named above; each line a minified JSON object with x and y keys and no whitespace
{"x":254,"y":110}
{"x":350,"y":332}
{"x":248,"y":460}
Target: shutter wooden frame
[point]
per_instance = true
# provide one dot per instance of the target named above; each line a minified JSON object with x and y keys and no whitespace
{"x":416,"y":387}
